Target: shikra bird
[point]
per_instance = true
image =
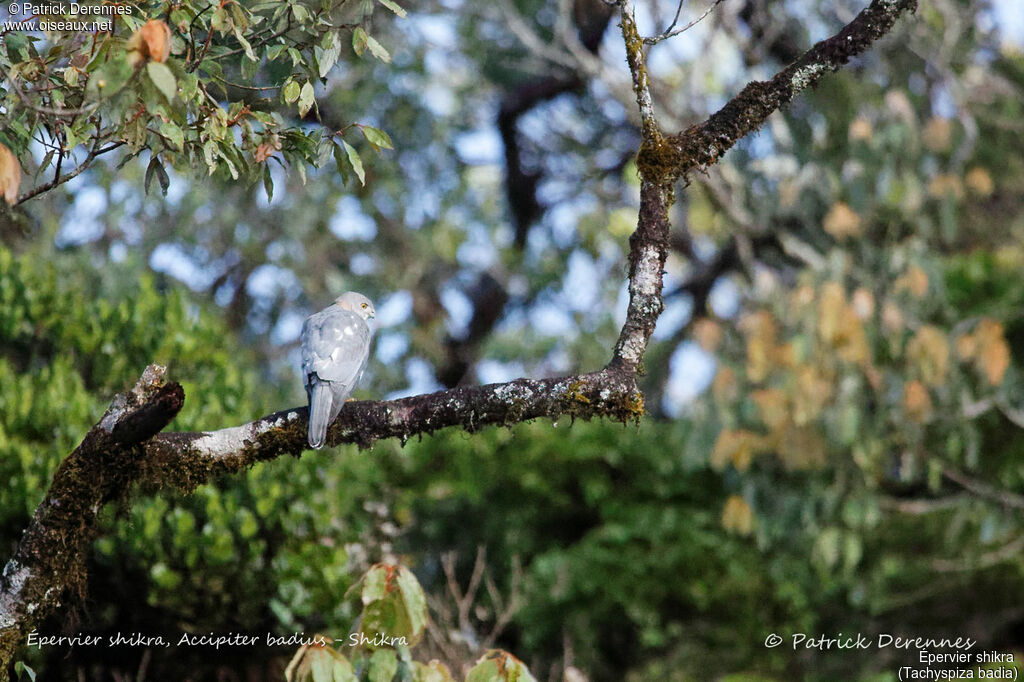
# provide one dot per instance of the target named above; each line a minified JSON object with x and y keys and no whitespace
{"x":335,"y":347}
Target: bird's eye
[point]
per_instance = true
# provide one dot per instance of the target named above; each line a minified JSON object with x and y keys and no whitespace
{"x":364,"y":306}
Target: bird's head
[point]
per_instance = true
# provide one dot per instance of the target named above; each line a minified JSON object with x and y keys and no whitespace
{"x":357,"y":303}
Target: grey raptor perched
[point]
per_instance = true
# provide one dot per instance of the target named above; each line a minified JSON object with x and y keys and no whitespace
{"x":335,"y":347}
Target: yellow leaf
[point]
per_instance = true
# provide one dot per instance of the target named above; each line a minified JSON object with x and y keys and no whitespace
{"x":737,"y":516}
{"x":724,"y":387}
{"x":946,"y":185}
{"x":863,"y":304}
{"x":860,"y":129}
{"x":899,"y":104}
{"x":838,"y":325}
{"x":980,"y":182}
{"x":915,"y":280}
{"x":892,"y":317}
{"x":937,"y":134}
{"x":736,"y":447}
{"x":831,"y":305}
{"x":773,"y":407}
{"x":929,"y":350}
{"x":842,"y":221}
{"x":917,"y":404}
{"x":708,"y":334}
{"x":10,"y":175}
{"x":994,"y":361}
{"x":993,"y":357}
{"x":814,"y":391}
{"x":801,"y":447}
{"x":966,"y":346}
{"x":801,"y":297}
{"x":761,"y":333}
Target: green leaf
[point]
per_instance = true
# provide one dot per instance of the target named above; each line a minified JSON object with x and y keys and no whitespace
{"x":414,"y":600}
{"x":306,"y":98}
{"x":377,"y":49}
{"x":156,"y":169}
{"x":377,"y":138}
{"x":357,"y":163}
{"x":268,"y":182}
{"x":163,"y":79}
{"x":173,"y":134}
{"x":301,"y":13}
{"x":322,"y":666}
{"x":249,"y":69}
{"x":435,"y":671}
{"x":290,"y":91}
{"x":245,"y":43}
{"x":498,"y":666}
{"x":375,"y":582}
{"x":274,"y":51}
{"x":19,"y":667}
{"x":110,"y":77}
{"x":383,"y":665}
{"x":238,"y":17}
{"x":393,"y":7}
{"x":328,"y":52}
{"x":340,"y":162}
{"x":359,"y":41}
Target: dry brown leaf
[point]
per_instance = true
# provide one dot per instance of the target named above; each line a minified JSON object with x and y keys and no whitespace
{"x":152,"y":41}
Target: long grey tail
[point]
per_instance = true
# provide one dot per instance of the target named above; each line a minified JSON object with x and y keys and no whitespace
{"x":319,"y":413}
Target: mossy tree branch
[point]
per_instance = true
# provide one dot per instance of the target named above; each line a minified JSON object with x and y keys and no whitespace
{"x":702,"y":145}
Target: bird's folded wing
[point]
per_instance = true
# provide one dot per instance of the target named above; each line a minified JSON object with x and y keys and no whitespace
{"x":336,"y":345}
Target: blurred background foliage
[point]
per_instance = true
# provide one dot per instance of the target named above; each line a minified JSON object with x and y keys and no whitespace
{"x":834,"y":391}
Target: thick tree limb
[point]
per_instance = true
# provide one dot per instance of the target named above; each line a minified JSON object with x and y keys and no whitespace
{"x":48,"y":563}
{"x":189,"y":459}
{"x":702,"y":145}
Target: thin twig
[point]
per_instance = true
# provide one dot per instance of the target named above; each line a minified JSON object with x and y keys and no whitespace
{"x":984,"y":490}
{"x":669,"y":33}
{"x":71,"y":175}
